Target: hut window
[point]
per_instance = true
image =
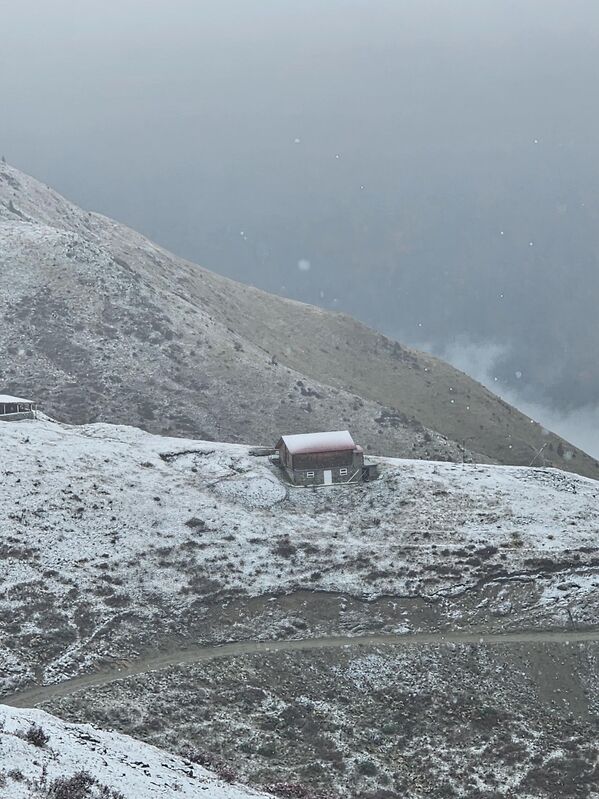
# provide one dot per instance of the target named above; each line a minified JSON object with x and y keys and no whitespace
{"x":309,"y":474}
{"x":342,"y":471}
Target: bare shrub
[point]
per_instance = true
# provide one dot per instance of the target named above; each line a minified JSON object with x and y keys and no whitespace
{"x":196,"y":524}
{"x":210,"y":761}
{"x":36,"y":736}
{"x":76,"y":787}
{"x":80,"y":786}
{"x":294,"y":790}
{"x":285,"y":548}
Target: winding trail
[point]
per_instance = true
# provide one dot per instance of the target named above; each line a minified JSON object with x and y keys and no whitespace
{"x":206,"y":652}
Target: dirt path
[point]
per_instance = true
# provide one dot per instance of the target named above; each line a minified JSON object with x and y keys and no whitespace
{"x":197,"y":654}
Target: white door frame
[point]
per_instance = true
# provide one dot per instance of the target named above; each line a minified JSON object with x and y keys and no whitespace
{"x":328,"y":477}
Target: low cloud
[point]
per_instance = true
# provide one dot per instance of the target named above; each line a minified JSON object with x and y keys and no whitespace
{"x":480,"y":361}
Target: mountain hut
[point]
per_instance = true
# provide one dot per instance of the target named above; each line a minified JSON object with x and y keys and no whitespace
{"x":14,"y":408}
{"x":312,"y":459}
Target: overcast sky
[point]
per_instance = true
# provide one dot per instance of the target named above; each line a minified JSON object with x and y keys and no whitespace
{"x":430,"y":166}
{"x":202,"y":101}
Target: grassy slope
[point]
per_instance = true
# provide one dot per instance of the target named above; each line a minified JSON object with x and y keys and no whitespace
{"x":336,"y":349}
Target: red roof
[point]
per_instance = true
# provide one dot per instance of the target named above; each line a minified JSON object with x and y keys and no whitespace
{"x":303,"y":443}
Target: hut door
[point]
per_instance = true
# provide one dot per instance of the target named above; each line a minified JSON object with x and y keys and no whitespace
{"x":328,"y":477}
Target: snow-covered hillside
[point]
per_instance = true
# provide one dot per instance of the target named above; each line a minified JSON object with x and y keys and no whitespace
{"x":111,"y":765}
{"x":113,"y":538}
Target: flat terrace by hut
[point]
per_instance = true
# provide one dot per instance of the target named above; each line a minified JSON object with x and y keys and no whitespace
{"x":322,"y":458}
{"x":14,"y":408}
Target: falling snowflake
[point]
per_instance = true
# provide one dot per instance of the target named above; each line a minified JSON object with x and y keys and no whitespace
{"x":304,"y":265}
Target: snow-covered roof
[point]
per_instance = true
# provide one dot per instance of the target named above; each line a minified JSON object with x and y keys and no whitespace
{"x":6,"y":399}
{"x":319,"y":442}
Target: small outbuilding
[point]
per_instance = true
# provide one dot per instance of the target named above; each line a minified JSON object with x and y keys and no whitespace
{"x":323,"y":458}
{"x":14,"y":408}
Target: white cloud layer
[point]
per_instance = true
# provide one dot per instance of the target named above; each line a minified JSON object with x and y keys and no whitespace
{"x":580,"y":426}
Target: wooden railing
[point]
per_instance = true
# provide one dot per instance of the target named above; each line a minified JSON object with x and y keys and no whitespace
{"x":15,"y":417}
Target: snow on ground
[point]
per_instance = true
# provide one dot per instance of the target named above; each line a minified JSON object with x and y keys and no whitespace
{"x":133,"y":770}
{"x":100,"y":524}
{"x":253,"y":491}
